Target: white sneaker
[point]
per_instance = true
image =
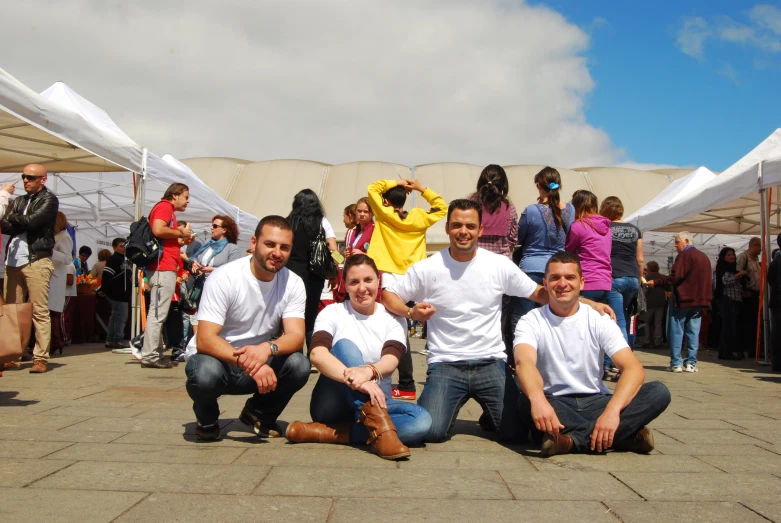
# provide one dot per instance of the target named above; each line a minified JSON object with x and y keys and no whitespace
{"x":677,"y":368}
{"x":137,"y":353}
{"x":690,"y":368}
{"x":123,"y":350}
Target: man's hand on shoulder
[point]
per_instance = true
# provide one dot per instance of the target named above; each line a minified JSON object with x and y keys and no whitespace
{"x":601,"y":308}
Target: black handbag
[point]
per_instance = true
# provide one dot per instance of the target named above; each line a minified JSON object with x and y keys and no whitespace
{"x":186,"y":303}
{"x":320,"y":261}
{"x":197,"y":290}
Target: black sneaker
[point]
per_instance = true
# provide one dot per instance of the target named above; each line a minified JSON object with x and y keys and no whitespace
{"x":263,"y":430}
{"x":207,"y":432}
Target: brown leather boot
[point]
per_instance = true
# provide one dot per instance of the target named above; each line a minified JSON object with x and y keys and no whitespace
{"x":300,"y":432}
{"x":39,"y":367}
{"x":382,"y":433}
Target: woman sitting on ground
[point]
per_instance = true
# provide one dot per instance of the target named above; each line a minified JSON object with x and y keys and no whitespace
{"x":356,"y":347}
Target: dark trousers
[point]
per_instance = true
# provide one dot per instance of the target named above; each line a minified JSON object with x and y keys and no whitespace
{"x":314,"y":289}
{"x":749,"y":312}
{"x":174,"y":327}
{"x":775,"y":339}
{"x":728,"y":340}
{"x":579,"y":413}
{"x":208,"y":378}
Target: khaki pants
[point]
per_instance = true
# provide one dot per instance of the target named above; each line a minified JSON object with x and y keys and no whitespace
{"x":163,"y":284}
{"x":33,"y":279}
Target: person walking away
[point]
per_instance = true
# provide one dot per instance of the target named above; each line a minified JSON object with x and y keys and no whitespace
{"x":398,"y":241}
{"x":656,"y":307}
{"x":30,"y":223}
{"x":163,"y":271}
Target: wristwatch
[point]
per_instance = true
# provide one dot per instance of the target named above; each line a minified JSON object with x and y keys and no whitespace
{"x":274,"y":348}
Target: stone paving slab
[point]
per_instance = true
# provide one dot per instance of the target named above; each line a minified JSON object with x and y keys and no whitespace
{"x":435,"y":511}
{"x":201,"y":455}
{"x":16,"y":472}
{"x":64,"y":506}
{"x":643,"y":512}
{"x":26,"y":450}
{"x":621,"y":462}
{"x":331,"y":456}
{"x":426,"y":460}
{"x":15,"y":434}
{"x":656,"y":486}
{"x":768,"y":509}
{"x":566,"y":485}
{"x":156,"y":477}
{"x":228,"y":509}
{"x":384,"y":483}
{"x":707,"y":437}
{"x":767,"y":464}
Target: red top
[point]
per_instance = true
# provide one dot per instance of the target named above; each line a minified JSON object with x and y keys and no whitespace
{"x":171,"y":259}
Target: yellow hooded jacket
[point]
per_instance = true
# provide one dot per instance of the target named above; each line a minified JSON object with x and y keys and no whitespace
{"x":398,"y":243}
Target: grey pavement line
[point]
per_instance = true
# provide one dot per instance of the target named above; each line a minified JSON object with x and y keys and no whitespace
{"x":268,"y":473}
{"x":710,"y":464}
{"x":754,"y":511}
{"x":530,"y":462}
{"x":612,"y":513}
{"x":754,"y":437}
{"x":665,"y":434}
{"x":147,"y":494}
{"x":76,"y":423}
{"x":118,"y":437}
{"x":627,"y":486}
{"x":331,"y":510}
{"x":240,"y":455}
{"x":88,"y":395}
{"x":49,"y":474}
{"x":52,"y":452}
{"x":778,"y":452}
{"x":690,"y":399}
{"x":506,"y":486}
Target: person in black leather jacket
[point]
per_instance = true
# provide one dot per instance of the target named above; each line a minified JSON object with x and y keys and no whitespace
{"x":774,"y":282}
{"x":29,"y":221}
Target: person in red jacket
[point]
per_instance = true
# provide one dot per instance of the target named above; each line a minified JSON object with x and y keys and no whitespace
{"x":690,"y":278}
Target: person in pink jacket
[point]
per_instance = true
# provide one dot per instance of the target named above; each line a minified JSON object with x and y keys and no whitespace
{"x":590,"y":239}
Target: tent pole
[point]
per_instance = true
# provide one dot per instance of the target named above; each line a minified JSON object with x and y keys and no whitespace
{"x":765,"y":234}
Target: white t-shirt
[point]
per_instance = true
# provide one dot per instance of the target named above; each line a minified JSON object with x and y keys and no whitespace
{"x":369,"y":333}
{"x":468,"y":300}
{"x":570,"y":351}
{"x":249,"y":310}
{"x":70,"y":290}
{"x":328,"y":229}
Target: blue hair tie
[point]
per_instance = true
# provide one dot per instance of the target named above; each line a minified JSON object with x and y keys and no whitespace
{"x":553,"y":186}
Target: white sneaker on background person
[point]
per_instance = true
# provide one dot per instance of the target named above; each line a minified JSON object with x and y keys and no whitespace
{"x":690,"y":368}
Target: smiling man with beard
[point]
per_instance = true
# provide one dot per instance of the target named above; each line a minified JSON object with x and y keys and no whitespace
{"x":243,"y":304}
{"x":559,"y":351}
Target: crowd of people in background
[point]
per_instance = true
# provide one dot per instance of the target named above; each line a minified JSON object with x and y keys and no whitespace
{"x":505,"y":306}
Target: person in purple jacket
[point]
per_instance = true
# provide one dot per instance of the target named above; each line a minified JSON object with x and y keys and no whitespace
{"x":590,"y":239}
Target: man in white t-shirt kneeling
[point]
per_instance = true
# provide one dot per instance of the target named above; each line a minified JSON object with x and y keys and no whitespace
{"x":244,"y":303}
{"x":559,"y":351}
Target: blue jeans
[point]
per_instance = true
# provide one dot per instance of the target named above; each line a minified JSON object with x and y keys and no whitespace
{"x":334,"y":402}
{"x":450,"y":385}
{"x":208,"y":378}
{"x":115,"y":331}
{"x":619,"y":298}
{"x":579,"y":413}
{"x":684,"y":320}
{"x":187,"y":328}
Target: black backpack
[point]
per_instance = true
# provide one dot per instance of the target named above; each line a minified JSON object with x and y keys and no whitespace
{"x":142,"y":247}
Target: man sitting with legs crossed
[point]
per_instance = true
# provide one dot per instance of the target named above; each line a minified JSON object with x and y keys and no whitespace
{"x":243,"y":304}
{"x":559,"y":351}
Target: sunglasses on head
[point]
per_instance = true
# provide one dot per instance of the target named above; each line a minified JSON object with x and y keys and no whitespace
{"x":30,"y":177}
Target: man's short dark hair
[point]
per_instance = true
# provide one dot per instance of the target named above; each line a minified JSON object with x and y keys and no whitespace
{"x":85,"y":250}
{"x":653,"y":266}
{"x":273,"y":221}
{"x":117,"y":241}
{"x":564,"y":257}
{"x":463,"y":204}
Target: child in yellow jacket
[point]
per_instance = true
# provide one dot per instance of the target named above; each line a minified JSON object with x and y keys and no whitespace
{"x":399,"y":237}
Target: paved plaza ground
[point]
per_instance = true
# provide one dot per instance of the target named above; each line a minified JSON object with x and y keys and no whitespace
{"x":98,"y":438}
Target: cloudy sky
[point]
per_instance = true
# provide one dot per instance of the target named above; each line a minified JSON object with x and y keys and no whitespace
{"x":569,"y":83}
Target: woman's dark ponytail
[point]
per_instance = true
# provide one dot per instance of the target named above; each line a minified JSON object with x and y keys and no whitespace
{"x":492,"y":188}
{"x":550,"y":180}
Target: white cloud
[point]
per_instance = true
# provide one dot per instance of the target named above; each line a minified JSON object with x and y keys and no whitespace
{"x":408,"y":81}
{"x":692,"y":36}
{"x":762,"y":32}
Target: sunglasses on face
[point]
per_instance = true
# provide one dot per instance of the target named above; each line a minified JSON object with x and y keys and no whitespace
{"x":217,"y":226}
{"x":30,"y":178}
